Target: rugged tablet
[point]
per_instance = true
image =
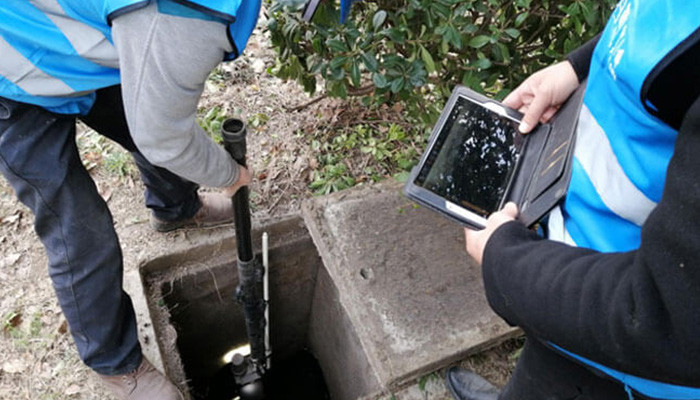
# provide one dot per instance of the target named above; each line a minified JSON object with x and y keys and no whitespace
{"x":476,"y":161}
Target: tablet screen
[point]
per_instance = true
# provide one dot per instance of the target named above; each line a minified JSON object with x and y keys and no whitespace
{"x":472,"y":158}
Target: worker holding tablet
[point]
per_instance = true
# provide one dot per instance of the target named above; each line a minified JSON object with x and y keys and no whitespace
{"x":610,"y":301}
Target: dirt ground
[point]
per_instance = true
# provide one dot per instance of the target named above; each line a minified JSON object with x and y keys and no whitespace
{"x":37,"y":357}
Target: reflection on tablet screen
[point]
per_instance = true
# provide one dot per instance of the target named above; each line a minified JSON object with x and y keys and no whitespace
{"x":472,"y":159}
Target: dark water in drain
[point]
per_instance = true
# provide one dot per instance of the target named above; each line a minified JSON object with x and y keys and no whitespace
{"x":294,"y":378}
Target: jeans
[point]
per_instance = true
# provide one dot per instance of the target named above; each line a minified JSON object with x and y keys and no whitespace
{"x":40,"y":159}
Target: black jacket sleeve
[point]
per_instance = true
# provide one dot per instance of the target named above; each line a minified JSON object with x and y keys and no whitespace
{"x":580,"y":58}
{"x":637,"y":312}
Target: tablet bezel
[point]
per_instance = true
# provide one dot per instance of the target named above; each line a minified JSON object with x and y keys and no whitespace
{"x":457,"y":213}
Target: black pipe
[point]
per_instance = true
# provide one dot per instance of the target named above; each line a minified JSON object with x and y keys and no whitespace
{"x":233,"y":132}
{"x":250,"y":294}
{"x":250,"y":272}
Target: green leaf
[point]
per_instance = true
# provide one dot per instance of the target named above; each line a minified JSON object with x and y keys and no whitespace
{"x":336,"y":74}
{"x":338,"y":62}
{"x":397,"y":35}
{"x":370,"y":61}
{"x":478,"y":42}
{"x":578,"y":26}
{"x":309,"y":83}
{"x":379,"y":81}
{"x":378,"y":19}
{"x":392,"y":61}
{"x":521,"y":18}
{"x":503,"y":53}
{"x":439,"y":9}
{"x":444,"y":47}
{"x":483,"y":63}
{"x":470,"y":29}
{"x":338,"y":89}
{"x":316,"y":44}
{"x":417,"y":74}
{"x":551,"y":53}
{"x":427,"y":60}
{"x":589,"y":14}
{"x":572,"y":10}
{"x":397,"y":84}
{"x":395,"y":72}
{"x":337,"y":45}
{"x":512,"y":32}
{"x":355,"y":73}
{"x":454,"y":37}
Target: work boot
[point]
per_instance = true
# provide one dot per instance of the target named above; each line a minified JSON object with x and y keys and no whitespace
{"x":216,"y":209}
{"x":143,"y":383}
{"x":466,"y":385}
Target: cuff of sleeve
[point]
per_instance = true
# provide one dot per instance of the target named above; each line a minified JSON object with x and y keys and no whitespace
{"x":580,"y":59}
{"x":502,"y":237}
{"x":580,"y":69}
{"x":497,"y":263}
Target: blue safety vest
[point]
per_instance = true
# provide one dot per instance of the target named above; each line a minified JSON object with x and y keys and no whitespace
{"x":56,"y":53}
{"x":622,"y":150}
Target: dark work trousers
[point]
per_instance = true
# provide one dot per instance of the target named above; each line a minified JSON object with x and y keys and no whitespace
{"x":40,"y":159}
{"x":543,"y":374}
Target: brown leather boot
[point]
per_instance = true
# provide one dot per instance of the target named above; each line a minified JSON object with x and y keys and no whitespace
{"x":144,"y":383}
{"x":217,"y":209}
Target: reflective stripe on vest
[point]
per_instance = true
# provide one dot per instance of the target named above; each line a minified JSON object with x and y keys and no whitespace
{"x":87,"y":41}
{"x":21,"y":72}
{"x":56,"y":53}
{"x":63,"y":56}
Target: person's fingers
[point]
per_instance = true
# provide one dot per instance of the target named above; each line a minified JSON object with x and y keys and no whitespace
{"x":473,"y":243}
{"x":510,"y":210}
{"x":508,"y":213}
{"x":469,"y":236}
{"x":245,"y":178}
{"x":518,"y":97}
{"x":539,"y":104}
{"x":513,"y":101}
{"x":527,"y":98}
{"x":549,"y":114}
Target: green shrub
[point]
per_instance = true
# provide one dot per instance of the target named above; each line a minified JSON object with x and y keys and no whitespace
{"x":381,"y":150}
{"x":416,"y":51}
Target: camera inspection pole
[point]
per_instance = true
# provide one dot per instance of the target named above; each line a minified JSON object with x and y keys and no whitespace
{"x":247,"y":371}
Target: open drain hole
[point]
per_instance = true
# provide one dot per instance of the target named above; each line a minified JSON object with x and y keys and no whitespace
{"x":210,"y":324}
{"x":298,"y":376}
